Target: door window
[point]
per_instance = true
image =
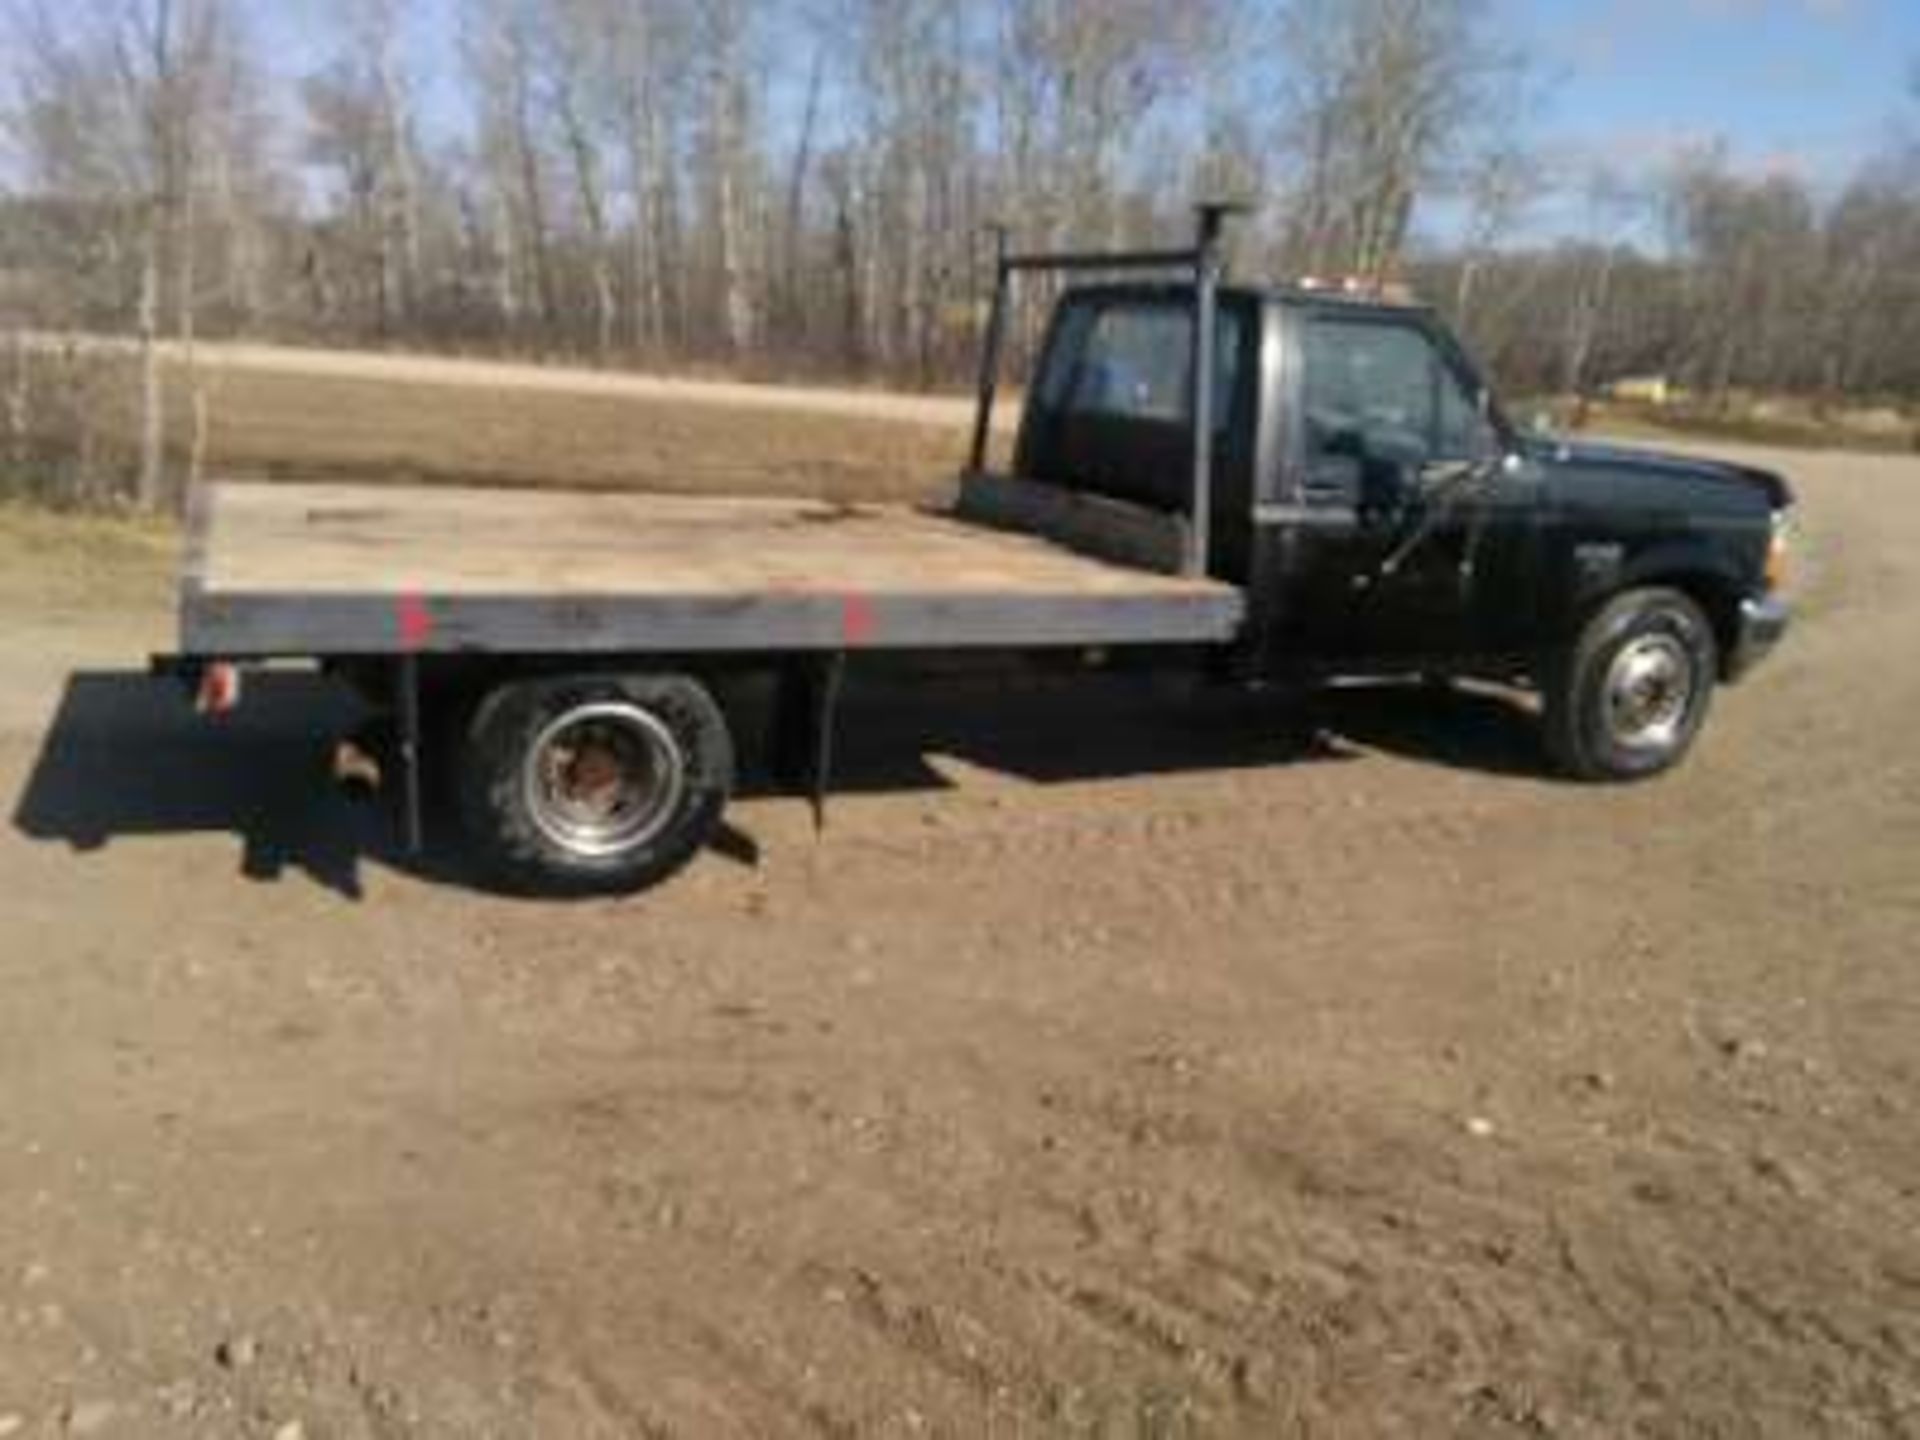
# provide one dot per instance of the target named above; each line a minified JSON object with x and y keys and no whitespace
{"x":1383,"y":392}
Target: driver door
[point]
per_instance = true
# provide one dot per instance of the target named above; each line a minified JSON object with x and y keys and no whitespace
{"x":1391,"y":544}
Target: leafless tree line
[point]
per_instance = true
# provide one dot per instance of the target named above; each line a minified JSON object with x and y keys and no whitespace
{"x":775,"y":185}
{"x":1722,"y":283}
{"x":778,"y":180}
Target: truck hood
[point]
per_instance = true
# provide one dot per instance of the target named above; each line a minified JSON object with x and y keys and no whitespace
{"x":1656,"y":465}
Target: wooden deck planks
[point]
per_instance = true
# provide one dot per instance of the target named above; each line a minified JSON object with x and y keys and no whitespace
{"x":377,"y":540}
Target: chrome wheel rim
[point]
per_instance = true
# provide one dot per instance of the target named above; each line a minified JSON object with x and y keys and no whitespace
{"x":604,"y":778}
{"x":1649,"y":693}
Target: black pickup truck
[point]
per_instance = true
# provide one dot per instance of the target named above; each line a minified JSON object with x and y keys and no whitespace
{"x":1257,"y":485}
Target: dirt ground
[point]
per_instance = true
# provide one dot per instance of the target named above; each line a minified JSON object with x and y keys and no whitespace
{"x":1113,"y":1066}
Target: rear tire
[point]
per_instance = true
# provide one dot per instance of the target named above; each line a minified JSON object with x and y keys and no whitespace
{"x":593,"y":784}
{"x":1627,"y":701}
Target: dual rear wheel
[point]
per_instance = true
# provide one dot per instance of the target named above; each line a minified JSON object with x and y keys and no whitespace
{"x":593,"y":784}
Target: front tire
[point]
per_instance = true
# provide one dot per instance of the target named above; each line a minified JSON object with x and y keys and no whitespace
{"x":594,"y":784}
{"x":1629,"y":698}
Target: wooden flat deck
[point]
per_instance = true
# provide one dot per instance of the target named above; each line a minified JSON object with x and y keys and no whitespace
{"x":335,"y":569}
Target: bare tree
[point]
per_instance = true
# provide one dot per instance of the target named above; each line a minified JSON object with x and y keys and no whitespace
{"x":648,"y":50}
{"x":124,"y":108}
{"x":1752,"y":244}
{"x":728,"y":162}
{"x":577,"y":34}
{"x":360,"y":124}
{"x":1501,"y":182}
{"x":1612,"y":208}
{"x":1379,"y":97}
{"x":503,"y":54}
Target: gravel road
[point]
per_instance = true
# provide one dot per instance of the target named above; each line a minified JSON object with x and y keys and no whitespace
{"x":1113,"y":1066}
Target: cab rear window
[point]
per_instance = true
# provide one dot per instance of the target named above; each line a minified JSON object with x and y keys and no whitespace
{"x":1132,"y":360}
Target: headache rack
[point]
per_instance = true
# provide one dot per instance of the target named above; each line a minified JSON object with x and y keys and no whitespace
{"x":1206,"y":263}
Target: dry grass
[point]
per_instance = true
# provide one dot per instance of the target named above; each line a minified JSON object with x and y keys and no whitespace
{"x":1778,"y":426}
{"x":288,"y":415}
{"x":63,"y":561}
{"x":304,"y":427}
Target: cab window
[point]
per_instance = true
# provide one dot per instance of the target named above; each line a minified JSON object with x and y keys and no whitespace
{"x":1383,"y":391}
{"x":1132,"y":361}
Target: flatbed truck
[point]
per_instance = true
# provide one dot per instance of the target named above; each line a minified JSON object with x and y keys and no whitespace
{"x":1255,"y":485}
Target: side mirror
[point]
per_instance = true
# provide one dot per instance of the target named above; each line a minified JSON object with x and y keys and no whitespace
{"x":1390,"y":483}
{"x":1399,"y":449}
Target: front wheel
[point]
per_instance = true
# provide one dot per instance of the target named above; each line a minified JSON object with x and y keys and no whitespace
{"x":594,"y":784}
{"x":1628,"y":700}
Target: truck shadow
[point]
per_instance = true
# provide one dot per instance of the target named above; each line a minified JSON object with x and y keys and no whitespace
{"x":1067,"y":730}
{"x":1493,"y":732}
{"x":125,"y":756}
{"x":894,"y":735}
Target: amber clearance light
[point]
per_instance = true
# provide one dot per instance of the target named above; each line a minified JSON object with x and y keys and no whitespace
{"x":1779,"y":550}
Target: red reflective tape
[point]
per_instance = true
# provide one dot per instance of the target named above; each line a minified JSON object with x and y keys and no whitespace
{"x":416,"y":622}
{"x":856,"y":620}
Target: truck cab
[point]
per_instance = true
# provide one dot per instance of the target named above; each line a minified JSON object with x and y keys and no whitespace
{"x":1385,"y":517}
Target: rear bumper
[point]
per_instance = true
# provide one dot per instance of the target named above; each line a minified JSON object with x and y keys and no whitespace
{"x":1764,"y":621}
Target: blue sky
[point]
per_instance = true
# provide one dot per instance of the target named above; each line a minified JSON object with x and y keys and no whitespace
{"x":1811,"y":86}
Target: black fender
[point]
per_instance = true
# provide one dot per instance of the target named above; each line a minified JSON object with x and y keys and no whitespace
{"x":1699,"y":565}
